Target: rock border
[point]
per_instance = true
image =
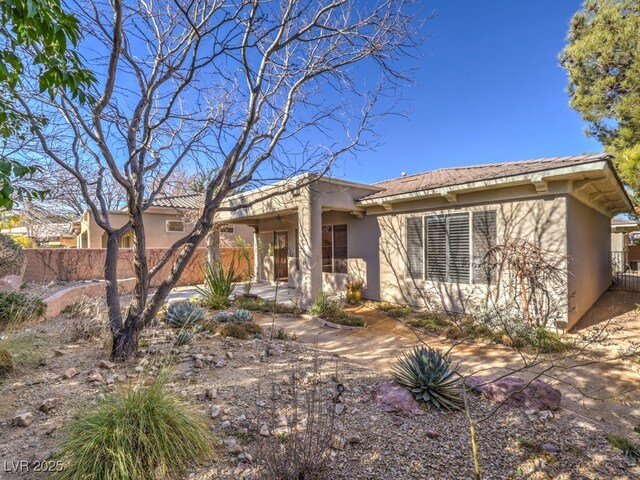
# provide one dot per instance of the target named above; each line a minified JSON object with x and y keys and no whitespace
{"x":329,"y":324}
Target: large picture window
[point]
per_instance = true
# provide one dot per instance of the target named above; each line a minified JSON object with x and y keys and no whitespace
{"x":334,"y":249}
{"x":440,"y":248}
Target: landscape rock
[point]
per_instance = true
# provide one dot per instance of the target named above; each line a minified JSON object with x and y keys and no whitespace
{"x":70,"y":373}
{"x":50,"y":404}
{"x":198,"y":364}
{"x":215,"y":412}
{"x":210,"y":393}
{"x":229,"y":355}
{"x":22,"y":419}
{"x":395,"y":398}
{"x":220,"y":363}
{"x":94,"y":376}
{"x":106,"y":364}
{"x":536,"y":395}
{"x":264,"y":430}
{"x":339,"y":408}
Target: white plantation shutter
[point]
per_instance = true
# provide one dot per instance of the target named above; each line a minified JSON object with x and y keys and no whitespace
{"x":448,"y":245}
{"x":458,"y":237}
{"x":415,"y":248}
{"x":485,"y":234}
{"x":437,"y":248}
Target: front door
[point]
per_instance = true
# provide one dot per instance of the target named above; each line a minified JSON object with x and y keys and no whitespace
{"x":280,"y":254}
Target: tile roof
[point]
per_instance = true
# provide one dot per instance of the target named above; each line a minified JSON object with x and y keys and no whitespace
{"x":447,"y":177}
{"x":193,"y":201}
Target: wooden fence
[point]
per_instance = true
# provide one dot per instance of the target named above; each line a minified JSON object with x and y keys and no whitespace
{"x":68,"y":265}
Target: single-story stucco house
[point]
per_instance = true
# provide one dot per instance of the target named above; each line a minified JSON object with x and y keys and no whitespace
{"x":419,"y":235}
{"x":166,"y":221}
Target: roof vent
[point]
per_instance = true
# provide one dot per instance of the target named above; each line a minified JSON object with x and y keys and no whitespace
{"x":404,"y":174}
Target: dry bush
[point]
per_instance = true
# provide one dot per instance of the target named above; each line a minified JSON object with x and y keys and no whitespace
{"x":11,"y":256}
{"x":90,"y":319}
{"x":300,"y":450}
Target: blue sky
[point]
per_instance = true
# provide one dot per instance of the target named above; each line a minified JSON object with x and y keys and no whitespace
{"x":488,"y":89}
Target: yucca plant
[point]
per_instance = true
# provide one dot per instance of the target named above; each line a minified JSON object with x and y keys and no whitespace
{"x":183,"y":314}
{"x":430,"y":377}
{"x":183,"y":338}
{"x":139,"y":433}
{"x":218,"y":285}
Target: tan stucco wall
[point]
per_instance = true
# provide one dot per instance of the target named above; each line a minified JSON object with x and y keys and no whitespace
{"x":619,"y":241}
{"x":589,"y":257}
{"x":539,"y":220}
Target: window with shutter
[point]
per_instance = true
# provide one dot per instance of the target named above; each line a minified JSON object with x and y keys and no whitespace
{"x":448,"y":246}
{"x":437,"y":248}
{"x":415,"y":248}
{"x":485,"y":235}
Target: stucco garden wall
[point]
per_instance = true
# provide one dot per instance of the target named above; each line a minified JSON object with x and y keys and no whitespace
{"x":67,"y":265}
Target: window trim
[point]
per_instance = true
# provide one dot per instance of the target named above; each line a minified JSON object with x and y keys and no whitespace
{"x":470,"y":213}
{"x":232,"y":227}
{"x":166,"y":224}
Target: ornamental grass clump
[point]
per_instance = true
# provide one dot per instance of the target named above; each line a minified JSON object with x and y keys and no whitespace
{"x":139,"y":433}
{"x":430,"y":377}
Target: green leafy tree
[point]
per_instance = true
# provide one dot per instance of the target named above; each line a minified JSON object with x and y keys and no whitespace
{"x":44,"y":29}
{"x":602,"y":58}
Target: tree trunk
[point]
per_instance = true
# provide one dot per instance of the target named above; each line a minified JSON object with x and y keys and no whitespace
{"x":125,"y":341}
{"x":111,"y":283}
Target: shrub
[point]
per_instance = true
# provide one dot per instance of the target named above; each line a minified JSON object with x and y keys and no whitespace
{"x":183,"y":314}
{"x":396,"y":311}
{"x":224,"y":317}
{"x":323,"y":305}
{"x":6,"y":362}
{"x":90,"y":319}
{"x":429,"y":321}
{"x":20,"y":351}
{"x":218,"y":285}
{"x":431,"y":378}
{"x":282,"y":334}
{"x":135,"y":434}
{"x":17,"y":308}
{"x":264,"y":306}
{"x":183,"y":338}
{"x":241,"y":331}
{"x":11,"y":256}
{"x":302,"y":450}
{"x":629,"y":450}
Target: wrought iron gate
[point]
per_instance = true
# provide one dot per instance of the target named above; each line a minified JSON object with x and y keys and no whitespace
{"x":625,"y":271}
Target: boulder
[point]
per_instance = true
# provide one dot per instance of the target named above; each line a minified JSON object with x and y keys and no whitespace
{"x":536,"y":395}
{"x":10,"y":283}
{"x":50,"y":404}
{"x":22,"y":419}
{"x":393,"y":397}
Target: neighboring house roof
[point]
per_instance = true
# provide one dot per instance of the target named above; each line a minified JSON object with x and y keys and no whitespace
{"x":623,"y":221}
{"x":41,"y":231}
{"x":192,"y":201}
{"x":447,"y":177}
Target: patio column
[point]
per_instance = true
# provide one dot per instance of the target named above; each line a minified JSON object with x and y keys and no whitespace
{"x":213,"y":246}
{"x":310,"y":250}
{"x":256,"y":254}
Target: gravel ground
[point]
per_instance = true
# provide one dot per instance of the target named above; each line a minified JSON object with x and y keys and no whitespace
{"x":239,"y":379}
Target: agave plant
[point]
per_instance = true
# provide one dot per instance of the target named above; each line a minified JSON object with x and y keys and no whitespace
{"x":242,"y":316}
{"x":183,"y":338}
{"x":224,"y":317}
{"x":431,"y":378}
{"x":183,"y":314}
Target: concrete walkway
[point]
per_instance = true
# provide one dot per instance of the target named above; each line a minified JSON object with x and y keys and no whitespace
{"x":606,"y":393}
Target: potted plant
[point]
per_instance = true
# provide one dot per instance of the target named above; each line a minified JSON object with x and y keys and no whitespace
{"x":354,"y":290}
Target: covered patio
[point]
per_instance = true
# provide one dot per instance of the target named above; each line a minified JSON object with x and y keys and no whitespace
{"x":312,"y":239}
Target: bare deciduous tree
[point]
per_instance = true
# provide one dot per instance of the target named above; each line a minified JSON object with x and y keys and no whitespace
{"x":248,"y":89}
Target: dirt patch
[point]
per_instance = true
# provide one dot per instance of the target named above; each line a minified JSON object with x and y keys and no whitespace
{"x":380,"y":445}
